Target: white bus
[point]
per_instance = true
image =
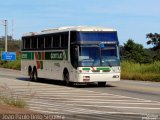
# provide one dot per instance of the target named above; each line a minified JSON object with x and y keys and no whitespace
{"x":73,"y":54}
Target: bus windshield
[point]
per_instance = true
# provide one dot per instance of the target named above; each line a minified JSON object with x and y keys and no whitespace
{"x":97,"y":36}
{"x":89,"y":55}
{"x":110,"y":56}
{"x":94,"y":56}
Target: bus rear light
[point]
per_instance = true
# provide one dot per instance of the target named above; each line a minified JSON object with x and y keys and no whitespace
{"x":86,"y":78}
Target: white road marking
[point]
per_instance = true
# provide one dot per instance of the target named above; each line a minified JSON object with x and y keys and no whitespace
{"x":97,"y":106}
{"x":97,"y":101}
{"x":45,"y":111}
{"x":78,"y":90}
{"x":80,"y":96}
{"x":115,"y":107}
{"x":125,"y":102}
{"x":69,"y":109}
{"x":121,"y":96}
{"x":87,"y":99}
{"x":98,"y":116}
{"x":52,"y":98}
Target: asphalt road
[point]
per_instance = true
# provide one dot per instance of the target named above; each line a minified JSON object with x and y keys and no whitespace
{"x":118,"y":100}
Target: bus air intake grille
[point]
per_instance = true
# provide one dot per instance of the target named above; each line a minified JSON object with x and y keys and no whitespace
{"x":95,"y":70}
{"x":106,"y":70}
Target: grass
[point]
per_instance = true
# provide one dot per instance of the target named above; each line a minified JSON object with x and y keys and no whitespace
{"x":7,"y":96}
{"x":145,"y":72}
{"x":12,"y":101}
{"x":11,"y":64}
{"x":9,"y":99}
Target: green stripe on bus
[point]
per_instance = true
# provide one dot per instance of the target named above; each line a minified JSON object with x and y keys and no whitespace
{"x":85,"y":68}
{"x":55,"y":55}
{"x":104,"y":69}
{"x":27,"y":56}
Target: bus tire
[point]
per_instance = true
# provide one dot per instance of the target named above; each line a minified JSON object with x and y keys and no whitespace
{"x":30,"y":72}
{"x":66,"y":77}
{"x":101,"y":84}
{"x":31,"y":76}
{"x":35,"y":75}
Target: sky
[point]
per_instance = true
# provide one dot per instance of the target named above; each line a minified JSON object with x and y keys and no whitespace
{"x":133,"y":19}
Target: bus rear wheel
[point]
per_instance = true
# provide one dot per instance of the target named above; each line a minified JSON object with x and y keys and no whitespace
{"x":31,"y":75}
{"x":101,"y":84}
{"x":30,"y":72}
{"x":35,"y":77}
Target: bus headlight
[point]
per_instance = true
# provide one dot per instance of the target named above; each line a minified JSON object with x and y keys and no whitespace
{"x":115,"y":76}
{"x":116,"y":69}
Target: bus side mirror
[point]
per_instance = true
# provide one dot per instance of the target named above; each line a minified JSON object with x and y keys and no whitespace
{"x":76,"y":56}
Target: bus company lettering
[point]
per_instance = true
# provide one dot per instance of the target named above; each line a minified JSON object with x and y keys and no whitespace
{"x":56,"y":56}
{"x":24,"y":56}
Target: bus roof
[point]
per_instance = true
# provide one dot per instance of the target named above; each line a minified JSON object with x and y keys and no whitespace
{"x":70,"y":28}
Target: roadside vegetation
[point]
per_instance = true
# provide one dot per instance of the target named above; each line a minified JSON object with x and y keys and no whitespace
{"x":137,"y":71}
{"x":12,"y":101}
{"x":138,"y":63}
{"x":11,"y":64}
{"x":13,"y":45}
{"x":7,"y":97}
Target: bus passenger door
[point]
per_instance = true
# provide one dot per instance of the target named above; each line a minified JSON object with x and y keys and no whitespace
{"x":74,"y":61}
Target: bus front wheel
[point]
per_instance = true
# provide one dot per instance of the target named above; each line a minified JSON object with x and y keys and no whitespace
{"x":66,"y":77}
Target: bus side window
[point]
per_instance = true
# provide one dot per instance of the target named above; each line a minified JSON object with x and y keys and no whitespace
{"x":48,"y":41}
{"x":34,"y":43}
{"x":64,"y":40}
{"x":56,"y":41}
{"x":27,"y":43}
{"x":40,"y":42}
{"x":23,"y":43}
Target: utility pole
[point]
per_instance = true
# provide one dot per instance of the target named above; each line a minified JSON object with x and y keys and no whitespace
{"x":12,"y":29}
{"x":6,"y":30}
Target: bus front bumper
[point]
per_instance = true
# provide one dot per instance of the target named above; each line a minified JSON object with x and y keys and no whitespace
{"x":99,"y":77}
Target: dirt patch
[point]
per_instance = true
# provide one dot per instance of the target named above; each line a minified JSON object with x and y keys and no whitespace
{"x":6,"y":109}
{"x":12,"y":113}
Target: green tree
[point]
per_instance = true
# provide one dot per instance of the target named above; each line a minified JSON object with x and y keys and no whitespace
{"x":154,"y":39}
{"x":13,"y":45}
{"x":134,"y":52}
